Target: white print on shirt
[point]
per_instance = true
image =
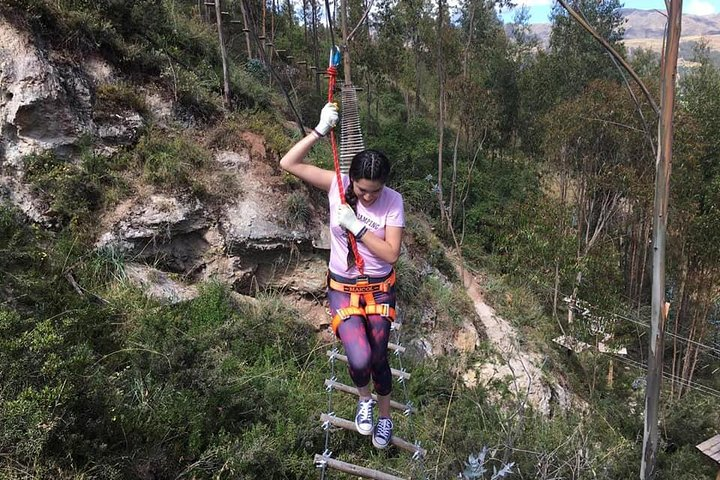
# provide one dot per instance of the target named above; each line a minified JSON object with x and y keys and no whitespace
{"x":368,"y":221}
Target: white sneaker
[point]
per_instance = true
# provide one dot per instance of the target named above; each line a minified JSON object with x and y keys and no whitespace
{"x":364,"y":417}
{"x":382,"y":433}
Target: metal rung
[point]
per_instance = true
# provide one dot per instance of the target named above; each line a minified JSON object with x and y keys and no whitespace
{"x":395,"y":372}
{"x":341,"y":387}
{"x":396,"y":441}
{"x":353,"y":469}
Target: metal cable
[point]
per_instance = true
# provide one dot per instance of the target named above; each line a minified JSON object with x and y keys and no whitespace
{"x":419,"y":460}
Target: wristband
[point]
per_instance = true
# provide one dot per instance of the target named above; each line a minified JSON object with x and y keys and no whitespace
{"x":319,"y":135}
{"x":361,"y":233}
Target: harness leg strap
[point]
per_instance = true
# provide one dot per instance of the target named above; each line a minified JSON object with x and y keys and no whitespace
{"x":343,"y":314}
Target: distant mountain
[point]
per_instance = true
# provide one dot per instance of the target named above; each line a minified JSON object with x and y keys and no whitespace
{"x":645,"y":29}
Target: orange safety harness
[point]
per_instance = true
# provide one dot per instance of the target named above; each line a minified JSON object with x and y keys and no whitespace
{"x":366,"y":288}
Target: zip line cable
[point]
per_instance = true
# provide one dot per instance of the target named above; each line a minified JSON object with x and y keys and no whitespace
{"x":711,"y":348}
{"x":668,"y":376}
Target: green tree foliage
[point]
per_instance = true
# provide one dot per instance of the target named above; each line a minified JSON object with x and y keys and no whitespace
{"x":573,"y":60}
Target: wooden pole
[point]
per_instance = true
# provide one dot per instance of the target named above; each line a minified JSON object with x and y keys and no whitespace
{"x":396,"y":441}
{"x":246,"y":30}
{"x":662,"y":189}
{"x":223,"y":54}
{"x":355,"y":469}
{"x":354,"y":391}
{"x":346,"y":52}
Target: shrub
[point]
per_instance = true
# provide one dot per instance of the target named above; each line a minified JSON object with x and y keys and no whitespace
{"x":112,"y":98}
{"x":298,"y":209}
{"x":170,"y":160}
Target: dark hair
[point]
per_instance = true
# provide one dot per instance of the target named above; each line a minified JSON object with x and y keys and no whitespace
{"x":369,"y":165}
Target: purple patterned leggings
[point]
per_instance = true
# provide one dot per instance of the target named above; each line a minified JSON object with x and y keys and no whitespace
{"x":365,"y":341}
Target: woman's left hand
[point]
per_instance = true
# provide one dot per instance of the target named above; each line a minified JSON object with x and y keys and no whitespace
{"x":347,"y":219}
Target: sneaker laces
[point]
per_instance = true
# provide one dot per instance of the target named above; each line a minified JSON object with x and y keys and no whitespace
{"x":365,"y":410}
{"x":384,"y":428}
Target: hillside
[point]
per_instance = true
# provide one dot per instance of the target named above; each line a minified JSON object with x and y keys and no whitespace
{"x":163,"y":303}
{"x":645,"y":28}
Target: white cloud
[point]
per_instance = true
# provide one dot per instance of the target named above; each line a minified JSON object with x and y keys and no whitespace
{"x":700,"y":7}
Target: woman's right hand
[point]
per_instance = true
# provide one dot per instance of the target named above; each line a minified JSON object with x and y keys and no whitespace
{"x":328,"y":119}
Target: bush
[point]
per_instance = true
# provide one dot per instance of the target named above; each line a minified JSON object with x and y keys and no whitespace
{"x":113,"y":98}
{"x":298,"y":209}
{"x":170,"y":160}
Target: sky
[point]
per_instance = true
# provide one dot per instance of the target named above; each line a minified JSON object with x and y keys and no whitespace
{"x":540,"y":9}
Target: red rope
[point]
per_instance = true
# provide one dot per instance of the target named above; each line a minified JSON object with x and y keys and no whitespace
{"x":359,"y":262}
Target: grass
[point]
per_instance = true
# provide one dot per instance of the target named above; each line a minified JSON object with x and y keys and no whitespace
{"x":169,"y":160}
{"x":297,"y":206}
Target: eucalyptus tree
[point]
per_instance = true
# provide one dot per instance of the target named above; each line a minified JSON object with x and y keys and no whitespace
{"x":405,"y":35}
{"x":694,"y":245}
{"x":573,"y":59}
{"x":595,"y":146}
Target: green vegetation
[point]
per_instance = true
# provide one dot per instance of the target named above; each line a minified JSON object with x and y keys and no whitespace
{"x":546,"y":185}
{"x":170,"y":160}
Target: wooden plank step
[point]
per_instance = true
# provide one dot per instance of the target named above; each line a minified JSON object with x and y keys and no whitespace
{"x":355,"y":470}
{"x":343,"y":358}
{"x":341,"y":387}
{"x":396,"y":348}
{"x":397,"y":441}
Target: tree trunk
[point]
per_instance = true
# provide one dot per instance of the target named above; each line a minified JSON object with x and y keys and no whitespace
{"x":305,"y":22}
{"x":223,"y":54}
{"x":441,"y":108}
{"x":246,"y":30}
{"x":679,"y":315}
{"x":451,"y":202}
{"x":316,"y":45}
{"x":648,"y":464}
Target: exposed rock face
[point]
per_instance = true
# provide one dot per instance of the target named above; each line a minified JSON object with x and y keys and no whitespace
{"x":519,"y":371}
{"x":43,"y":105}
{"x":246,"y":243}
{"x":47,"y":104}
{"x":161,"y":228}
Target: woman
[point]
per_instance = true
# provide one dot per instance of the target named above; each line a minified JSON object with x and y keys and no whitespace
{"x":362,"y":305}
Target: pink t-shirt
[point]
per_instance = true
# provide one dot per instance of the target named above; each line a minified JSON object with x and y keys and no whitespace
{"x":387,"y":210}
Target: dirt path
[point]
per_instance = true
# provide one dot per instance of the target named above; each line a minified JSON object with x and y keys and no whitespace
{"x":520,"y":371}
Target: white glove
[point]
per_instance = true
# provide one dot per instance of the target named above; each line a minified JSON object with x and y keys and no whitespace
{"x":347,"y":219}
{"x":328,"y":118}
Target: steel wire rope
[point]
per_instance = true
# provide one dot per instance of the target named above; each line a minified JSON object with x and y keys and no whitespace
{"x":668,"y":376}
{"x":714,"y":349}
{"x":695,"y":385}
{"x":409,"y":408}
